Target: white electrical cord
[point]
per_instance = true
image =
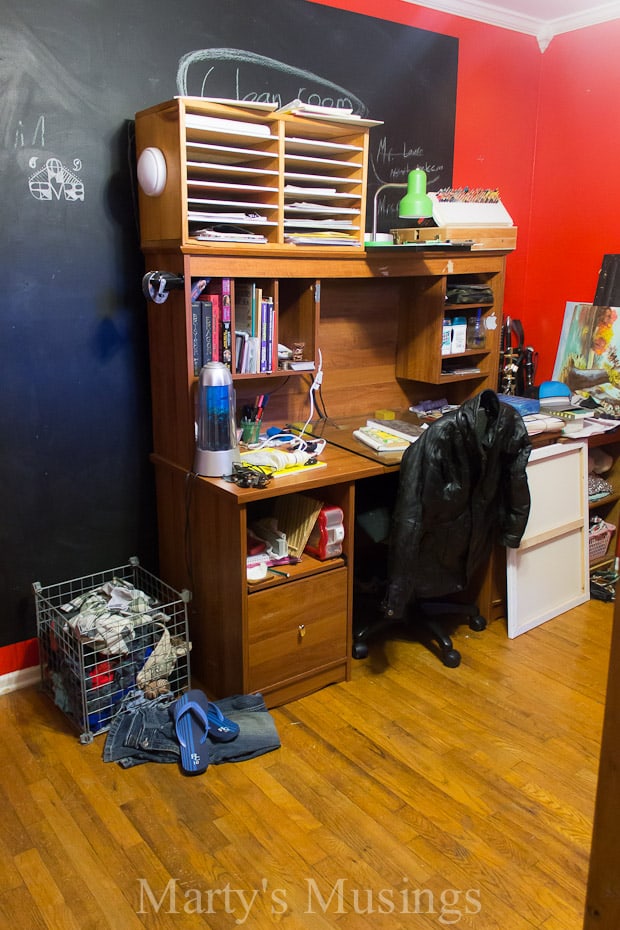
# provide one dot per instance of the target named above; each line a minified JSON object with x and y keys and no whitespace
{"x":288,"y":443}
{"x":272,"y":458}
{"x":316,"y":384}
{"x":298,"y":452}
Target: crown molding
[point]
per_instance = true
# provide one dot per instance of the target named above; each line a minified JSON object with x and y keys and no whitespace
{"x":542,"y":29}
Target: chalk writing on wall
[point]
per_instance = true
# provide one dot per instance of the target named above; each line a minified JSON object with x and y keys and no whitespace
{"x":244,"y":72}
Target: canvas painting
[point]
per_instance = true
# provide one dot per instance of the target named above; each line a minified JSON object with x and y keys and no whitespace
{"x":588,"y":358}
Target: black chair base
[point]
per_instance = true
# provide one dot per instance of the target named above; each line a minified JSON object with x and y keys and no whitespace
{"x":428,"y":612}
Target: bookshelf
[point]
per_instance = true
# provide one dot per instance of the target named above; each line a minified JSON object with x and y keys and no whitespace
{"x":289,"y":636}
{"x":608,"y":507}
{"x":420,"y":332}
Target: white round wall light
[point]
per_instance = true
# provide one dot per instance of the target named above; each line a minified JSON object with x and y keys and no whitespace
{"x":152,"y":171}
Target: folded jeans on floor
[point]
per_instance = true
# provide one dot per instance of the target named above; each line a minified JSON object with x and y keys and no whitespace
{"x":257,"y":730}
{"x":143,"y":731}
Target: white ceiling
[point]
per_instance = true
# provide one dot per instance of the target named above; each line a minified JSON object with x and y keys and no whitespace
{"x":541,"y":18}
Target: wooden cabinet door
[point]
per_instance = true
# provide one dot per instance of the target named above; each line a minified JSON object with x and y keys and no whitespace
{"x":297,"y":629}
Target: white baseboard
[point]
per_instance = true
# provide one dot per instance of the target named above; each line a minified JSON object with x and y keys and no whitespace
{"x":23,"y":678}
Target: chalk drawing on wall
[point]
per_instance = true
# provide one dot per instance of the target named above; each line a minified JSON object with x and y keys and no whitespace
{"x":54,"y":181}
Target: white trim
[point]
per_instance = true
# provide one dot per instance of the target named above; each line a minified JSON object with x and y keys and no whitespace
{"x":543,"y":30}
{"x":22,"y":678}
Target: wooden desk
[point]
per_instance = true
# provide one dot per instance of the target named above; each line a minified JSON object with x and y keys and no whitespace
{"x":284,"y":637}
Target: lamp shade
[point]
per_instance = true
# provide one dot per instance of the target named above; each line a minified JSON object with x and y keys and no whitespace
{"x":416,"y":202}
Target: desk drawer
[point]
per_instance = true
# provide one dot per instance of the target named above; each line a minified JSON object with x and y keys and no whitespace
{"x":297,"y":628}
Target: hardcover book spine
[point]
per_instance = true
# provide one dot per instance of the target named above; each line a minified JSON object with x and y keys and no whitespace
{"x":197,"y":336}
{"x":243,"y":307}
{"x":269,"y":339}
{"x":216,"y":316}
{"x":241,"y":351}
{"x":274,"y":338}
{"x":264,"y":312}
{"x":226,"y":324}
{"x":206,"y":326}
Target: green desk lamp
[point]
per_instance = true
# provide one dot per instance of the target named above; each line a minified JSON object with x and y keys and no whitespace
{"x":416,"y":203}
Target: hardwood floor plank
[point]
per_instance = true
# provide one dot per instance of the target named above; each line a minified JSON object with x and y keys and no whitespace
{"x":18,"y":909}
{"x":46,"y":895}
{"x":10,"y":879}
{"x":76,"y":845}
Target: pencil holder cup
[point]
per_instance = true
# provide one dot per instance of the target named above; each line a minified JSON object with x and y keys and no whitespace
{"x":250,"y":431}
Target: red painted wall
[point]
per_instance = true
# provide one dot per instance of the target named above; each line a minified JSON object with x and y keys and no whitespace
{"x":576,"y":189}
{"x":536,"y":125}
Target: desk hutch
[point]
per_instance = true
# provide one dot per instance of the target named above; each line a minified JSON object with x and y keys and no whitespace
{"x":376,"y":316}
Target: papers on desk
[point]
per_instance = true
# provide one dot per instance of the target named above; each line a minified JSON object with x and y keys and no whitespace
{"x":401,"y":428}
{"x":537,"y":423}
{"x":590,"y":426}
{"x":379,"y":440}
{"x":276,"y":463}
{"x":388,"y":435}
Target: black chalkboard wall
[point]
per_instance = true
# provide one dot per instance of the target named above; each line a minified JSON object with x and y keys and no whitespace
{"x":75,"y":478}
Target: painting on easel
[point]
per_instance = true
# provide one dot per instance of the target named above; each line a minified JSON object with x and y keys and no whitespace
{"x":588,"y":357}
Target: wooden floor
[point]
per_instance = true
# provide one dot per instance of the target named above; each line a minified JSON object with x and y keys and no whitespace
{"x":413,"y":796}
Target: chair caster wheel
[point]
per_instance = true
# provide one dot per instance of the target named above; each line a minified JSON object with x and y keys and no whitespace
{"x":451,"y":658}
{"x":477,"y":623}
{"x":360,"y":650}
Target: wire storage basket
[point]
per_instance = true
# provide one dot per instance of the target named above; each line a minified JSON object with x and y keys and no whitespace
{"x":599,"y":537}
{"x":104,"y":635}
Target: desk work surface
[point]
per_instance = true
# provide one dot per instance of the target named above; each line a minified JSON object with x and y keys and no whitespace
{"x":340,"y":432}
{"x":342,"y":465}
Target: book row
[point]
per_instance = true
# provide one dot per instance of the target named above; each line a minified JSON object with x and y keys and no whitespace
{"x":253,"y":346}
{"x":211,"y":323}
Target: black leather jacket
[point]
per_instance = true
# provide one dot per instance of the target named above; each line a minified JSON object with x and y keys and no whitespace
{"x":462,"y":488}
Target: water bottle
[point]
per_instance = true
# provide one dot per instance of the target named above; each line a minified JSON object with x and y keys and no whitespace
{"x":476,"y":336}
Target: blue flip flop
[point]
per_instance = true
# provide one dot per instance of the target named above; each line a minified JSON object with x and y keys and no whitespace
{"x":221,"y":729}
{"x":192,"y":726}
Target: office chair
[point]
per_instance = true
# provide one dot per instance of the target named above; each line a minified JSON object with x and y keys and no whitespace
{"x":370,"y":619}
{"x":462,"y":487}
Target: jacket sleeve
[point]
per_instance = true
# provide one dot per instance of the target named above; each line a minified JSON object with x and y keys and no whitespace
{"x":405,"y":530}
{"x":516,"y":497}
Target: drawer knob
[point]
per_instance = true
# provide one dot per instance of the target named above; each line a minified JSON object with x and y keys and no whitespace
{"x":301,"y":630}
